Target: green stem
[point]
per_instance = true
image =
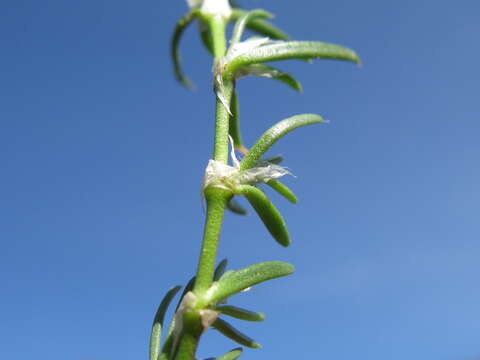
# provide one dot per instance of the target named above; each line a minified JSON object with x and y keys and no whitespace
{"x":216,"y":200}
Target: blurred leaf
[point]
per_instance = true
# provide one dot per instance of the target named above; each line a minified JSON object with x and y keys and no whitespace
{"x":180,"y":27}
{"x":276,"y":132}
{"x":283,"y":190}
{"x":232,"y":282}
{"x":268,"y":213}
{"x":244,"y":20}
{"x":240,"y":313}
{"x":220,"y":269}
{"x":234,"y":122}
{"x":290,"y":50}
{"x":158,"y":322}
{"x":260,"y":26}
{"x":231,"y":355}
{"x":269,"y":72}
{"x":234,"y":206}
{"x":187,"y":288}
{"x":229,"y":331}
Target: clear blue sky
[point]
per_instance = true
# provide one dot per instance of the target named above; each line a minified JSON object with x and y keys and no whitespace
{"x":102,"y":155}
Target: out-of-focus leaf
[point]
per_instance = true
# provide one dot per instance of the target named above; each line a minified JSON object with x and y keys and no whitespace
{"x":229,"y":331}
{"x":187,"y":288}
{"x":271,"y":73}
{"x":290,"y":50}
{"x":234,"y":206}
{"x":244,"y":20}
{"x":232,"y":282}
{"x":180,"y":27}
{"x":268,"y":213}
{"x":231,"y":355}
{"x":260,"y":26}
{"x":158,"y":322}
{"x":220,"y":269}
{"x":283,"y":190}
{"x":276,"y":132}
{"x":240,"y":313}
{"x":234,"y":122}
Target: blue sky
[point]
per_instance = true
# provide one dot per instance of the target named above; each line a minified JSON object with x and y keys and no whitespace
{"x":102,"y":157}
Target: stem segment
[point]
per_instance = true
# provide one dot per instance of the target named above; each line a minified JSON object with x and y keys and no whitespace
{"x":216,"y":200}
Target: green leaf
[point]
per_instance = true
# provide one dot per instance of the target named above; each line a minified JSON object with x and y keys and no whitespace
{"x":229,"y":331}
{"x":269,"y":160}
{"x":232,"y":282}
{"x":276,"y":132}
{"x":289,"y":50}
{"x":158,"y":322}
{"x":240,"y":313}
{"x":268,"y":213}
{"x":187,"y":288}
{"x":260,"y":26}
{"x":243,"y":20}
{"x":234,"y":206}
{"x":180,"y":27}
{"x":269,"y":72}
{"x":234,"y":122}
{"x":231,"y":355}
{"x":220,"y":269}
{"x":283,"y":190}
{"x":206,"y":37}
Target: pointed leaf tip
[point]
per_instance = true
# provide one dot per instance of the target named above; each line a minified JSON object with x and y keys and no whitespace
{"x":275,"y":133}
{"x":233,"y":282}
{"x":232,"y":333}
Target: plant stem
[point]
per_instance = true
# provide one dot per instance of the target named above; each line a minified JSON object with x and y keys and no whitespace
{"x":216,"y":200}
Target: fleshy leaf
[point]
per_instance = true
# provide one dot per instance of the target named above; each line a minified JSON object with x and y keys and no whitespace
{"x":244,"y":20}
{"x":231,"y":355}
{"x":269,"y":72}
{"x":268,"y":213}
{"x":260,"y":26}
{"x":283,"y":190}
{"x":276,"y":132}
{"x":187,"y":288}
{"x":180,"y":27}
{"x":240,"y":313}
{"x":220,"y":269}
{"x":229,"y":331}
{"x":234,"y":206}
{"x":290,"y":50}
{"x":234,"y":122}
{"x":158,"y":322}
{"x":232,"y":282}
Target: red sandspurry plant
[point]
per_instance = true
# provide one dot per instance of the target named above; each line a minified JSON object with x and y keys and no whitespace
{"x":203,"y":303}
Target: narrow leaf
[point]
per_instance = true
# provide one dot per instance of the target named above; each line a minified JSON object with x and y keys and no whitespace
{"x":268,"y":213}
{"x":229,"y":331}
{"x":206,"y":36}
{"x":269,"y":160}
{"x":243,"y":20}
{"x":180,"y":27}
{"x":158,"y":322}
{"x":220,"y":269}
{"x":187,"y":288}
{"x":283,"y":190}
{"x":232,"y":282}
{"x":231,"y":355}
{"x":290,"y":50}
{"x":234,"y":206}
{"x":234,"y":122}
{"x":271,"y":73}
{"x":260,"y":26}
{"x":276,"y":132}
{"x":240,"y":313}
